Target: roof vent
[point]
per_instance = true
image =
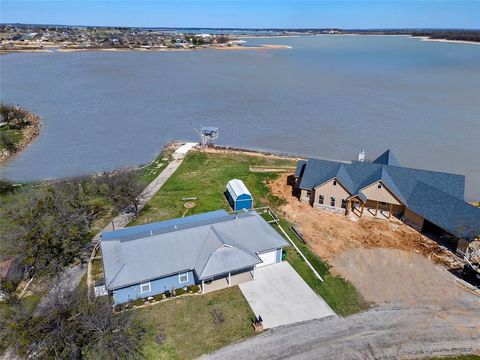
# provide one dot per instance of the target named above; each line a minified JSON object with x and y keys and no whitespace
{"x":175,"y":227}
{"x":361,"y":156}
{"x":151,"y":232}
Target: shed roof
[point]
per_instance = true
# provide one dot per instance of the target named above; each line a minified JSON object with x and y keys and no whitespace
{"x":236,"y":188}
{"x":199,"y":247}
{"x":405,"y":183}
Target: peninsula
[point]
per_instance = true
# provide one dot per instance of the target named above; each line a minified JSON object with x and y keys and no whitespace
{"x":18,"y":128}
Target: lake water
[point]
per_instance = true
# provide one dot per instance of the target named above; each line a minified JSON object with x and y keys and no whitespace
{"x":328,"y":96}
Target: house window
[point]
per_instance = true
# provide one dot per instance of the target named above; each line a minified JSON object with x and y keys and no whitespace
{"x":334,"y":182}
{"x":379,"y":186}
{"x":183,"y":278}
{"x":320,"y":199}
{"x":344,"y":204}
{"x":309,"y":192}
{"x":332,"y":201}
{"x":145,"y":287}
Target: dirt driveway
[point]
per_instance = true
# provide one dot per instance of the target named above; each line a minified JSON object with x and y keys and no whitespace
{"x":387,"y":261}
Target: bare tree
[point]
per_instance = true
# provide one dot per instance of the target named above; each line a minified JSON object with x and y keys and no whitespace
{"x":69,"y":326}
{"x":49,"y":232}
{"x":123,"y":189}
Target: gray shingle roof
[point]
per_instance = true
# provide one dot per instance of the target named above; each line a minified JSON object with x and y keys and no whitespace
{"x":387,"y":158}
{"x":444,"y":189}
{"x":218,"y":246}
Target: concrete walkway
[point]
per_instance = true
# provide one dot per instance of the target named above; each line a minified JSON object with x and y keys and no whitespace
{"x":71,"y":276}
{"x":123,"y":219}
{"x":281,"y":297}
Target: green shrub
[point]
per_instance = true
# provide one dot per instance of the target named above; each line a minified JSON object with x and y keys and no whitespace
{"x":7,"y":141}
{"x":139,"y":302}
{"x":158,"y":297}
{"x":194,"y":289}
{"x":179,"y":291}
{"x":6,"y":186}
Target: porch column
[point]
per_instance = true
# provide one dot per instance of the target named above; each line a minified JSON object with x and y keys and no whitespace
{"x":254,"y":272}
{"x":203,"y":287}
{"x":347,"y":207}
{"x":376,"y":208}
{"x":229,"y":278}
{"x":390,"y":211}
{"x":361,"y":211}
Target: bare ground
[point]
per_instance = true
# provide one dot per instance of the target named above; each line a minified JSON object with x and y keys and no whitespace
{"x":387,"y":261}
{"x":421,"y":312}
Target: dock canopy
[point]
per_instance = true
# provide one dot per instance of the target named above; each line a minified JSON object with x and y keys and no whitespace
{"x":238,"y":195}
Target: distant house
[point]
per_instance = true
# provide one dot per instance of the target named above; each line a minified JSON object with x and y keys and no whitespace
{"x":213,"y":250}
{"x":426,"y":200}
{"x":238,"y":195}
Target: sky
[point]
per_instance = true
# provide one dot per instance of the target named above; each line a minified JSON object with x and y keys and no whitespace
{"x":359,"y":14}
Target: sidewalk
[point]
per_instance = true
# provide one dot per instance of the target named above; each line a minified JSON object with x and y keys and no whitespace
{"x":71,"y":276}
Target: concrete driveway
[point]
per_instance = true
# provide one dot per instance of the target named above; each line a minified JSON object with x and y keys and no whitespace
{"x":281,"y":297}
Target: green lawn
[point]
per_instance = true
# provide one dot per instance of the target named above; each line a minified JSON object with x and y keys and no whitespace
{"x":149,"y":172}
{"x":188,"y":327}
{"x":204,"y":176}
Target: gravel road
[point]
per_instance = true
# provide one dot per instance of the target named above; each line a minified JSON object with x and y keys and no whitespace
{"x":380,"y":333}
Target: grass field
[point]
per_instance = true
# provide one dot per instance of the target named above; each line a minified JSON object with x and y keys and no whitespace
{"x":187,"y":327}
{"x":204,"y":175}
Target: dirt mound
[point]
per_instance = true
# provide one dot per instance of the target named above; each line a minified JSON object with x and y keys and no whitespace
{"x":395,"y":276}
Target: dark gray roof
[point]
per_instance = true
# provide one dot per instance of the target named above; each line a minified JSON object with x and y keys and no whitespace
{"x":300,"y":167}
{"x":405,"y":183}
{"x":447,"y":212}
{"x":387,"y":158}
{"x":227,"y":244}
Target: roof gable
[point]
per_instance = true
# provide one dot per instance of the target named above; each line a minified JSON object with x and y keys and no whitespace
{"x":387,"y":158}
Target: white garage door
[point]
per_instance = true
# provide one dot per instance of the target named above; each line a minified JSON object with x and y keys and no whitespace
{"x":268,"y":258}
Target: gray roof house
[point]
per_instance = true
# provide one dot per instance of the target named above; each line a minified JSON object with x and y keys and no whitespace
{"x":147,"y":260}
{"x":423,"y":199}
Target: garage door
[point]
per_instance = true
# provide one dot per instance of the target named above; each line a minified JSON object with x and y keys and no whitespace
{"x":268,"y":258}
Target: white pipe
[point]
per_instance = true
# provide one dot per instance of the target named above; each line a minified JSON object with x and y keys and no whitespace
{"x":304,"y":258}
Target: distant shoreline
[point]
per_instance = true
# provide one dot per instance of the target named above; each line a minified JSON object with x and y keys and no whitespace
{"x":420,"y":38}
{"x":153,"y":49}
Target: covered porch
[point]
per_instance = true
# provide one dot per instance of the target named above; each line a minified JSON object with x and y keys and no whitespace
{"x":361,"y":206}
{"x":229,"y":279}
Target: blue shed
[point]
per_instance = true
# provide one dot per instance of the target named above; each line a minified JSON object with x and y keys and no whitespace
{"x":238,"y":195}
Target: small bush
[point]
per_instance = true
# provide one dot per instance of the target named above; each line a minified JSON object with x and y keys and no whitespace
{"x":194,"y":289}
{"x":168,"y":294}
{"x":179,"y":291}
{"x":7,"y":141}
{"x":217,"y":315}
{"x":139,"y":302}
{"x":6,"y":186}
{"x":158,"y":297}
